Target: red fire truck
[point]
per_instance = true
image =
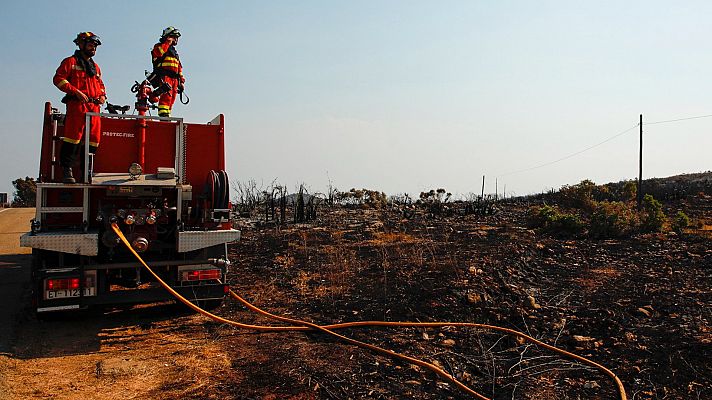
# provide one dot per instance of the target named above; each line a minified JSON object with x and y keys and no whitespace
{"x":163,"y":181}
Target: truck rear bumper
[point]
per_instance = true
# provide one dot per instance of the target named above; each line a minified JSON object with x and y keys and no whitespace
{"x":86,"y":244}
{"x":134,"y":296}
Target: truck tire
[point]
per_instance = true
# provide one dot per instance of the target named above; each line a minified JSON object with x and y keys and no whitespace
{"x":35,"y":290}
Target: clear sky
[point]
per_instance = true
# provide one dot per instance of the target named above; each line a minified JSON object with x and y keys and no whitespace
{"x":399,"y":96}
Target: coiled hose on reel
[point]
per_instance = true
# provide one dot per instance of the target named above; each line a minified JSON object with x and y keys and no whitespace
{"x":216,"y":195}
{"x":217,"y":190}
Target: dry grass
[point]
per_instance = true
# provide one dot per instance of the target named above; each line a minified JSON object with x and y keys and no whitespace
{"x":381,"y":238}
{"x":332,"y":272}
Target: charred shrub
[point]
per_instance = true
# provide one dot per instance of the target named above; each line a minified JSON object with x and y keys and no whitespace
{"x":436,"y":202}
{"x":612,"y":220}
{"x":374,"y":199}
{"x":361,"y":198}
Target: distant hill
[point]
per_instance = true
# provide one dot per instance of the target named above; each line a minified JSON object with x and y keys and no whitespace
{"x":676,"y":186}
{"x":668,"y":188}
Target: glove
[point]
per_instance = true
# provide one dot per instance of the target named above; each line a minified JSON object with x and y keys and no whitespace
{"x":81,"y":96}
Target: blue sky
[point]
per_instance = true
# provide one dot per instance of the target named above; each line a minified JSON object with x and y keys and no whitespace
{"x":399,"y":96}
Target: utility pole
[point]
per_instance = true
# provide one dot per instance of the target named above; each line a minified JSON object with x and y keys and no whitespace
{"x":640,"y":166}
{"x":496,"y":191}
{"x":482,"y":196}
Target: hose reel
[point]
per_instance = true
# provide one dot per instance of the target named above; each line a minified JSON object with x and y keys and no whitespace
{"x":217,"y":197}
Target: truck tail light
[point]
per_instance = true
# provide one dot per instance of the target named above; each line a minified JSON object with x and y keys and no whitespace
{"x":201,"y":275}
{"x":67,"y":283}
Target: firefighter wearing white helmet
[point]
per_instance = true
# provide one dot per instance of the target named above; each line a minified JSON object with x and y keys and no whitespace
{"x":168,"y":69}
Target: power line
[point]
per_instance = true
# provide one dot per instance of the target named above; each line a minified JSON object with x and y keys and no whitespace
{"x":572,"y":154}
{"x":676,"y":120}
{"x":603,"y":142}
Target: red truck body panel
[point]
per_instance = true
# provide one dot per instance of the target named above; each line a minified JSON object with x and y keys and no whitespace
{"x":121,"y":143}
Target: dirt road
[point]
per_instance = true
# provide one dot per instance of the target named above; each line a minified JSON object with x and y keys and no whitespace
{"x":14,"y":269}
{"x":13,"y":223}
{"x":14,"y":277}
{"x":82,"y":356}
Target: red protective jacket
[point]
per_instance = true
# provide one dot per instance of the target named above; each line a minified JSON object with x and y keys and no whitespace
{"x":166,"y":63}
{"x":170,"y":63}
{"x":71,"y":76}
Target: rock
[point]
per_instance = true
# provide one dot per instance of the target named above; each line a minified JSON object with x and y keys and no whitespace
{"x":560,"y":324}
{"x":583,"y":339}
{"x":463,"y":376}
{"x":448,"y":342}
{"x":591,"y":385}
{"x":474,"y":298}
{"x":644,"y":312}
{"x":532,"y":304}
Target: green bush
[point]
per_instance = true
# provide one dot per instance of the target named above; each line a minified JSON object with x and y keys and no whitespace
{"x":550,"y":219}
{"x":681,"y":222}
{"x":567,"y":225}
{"x":540,"y":217}
{"x":630,"y":191}
{"x":578,"y":196}
{"x":612,"y":220}
{"x":653,"y":217}
{"x":25,"y":192}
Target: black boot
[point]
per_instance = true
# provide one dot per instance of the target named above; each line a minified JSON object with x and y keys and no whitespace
{"x":68,"y":178}
{"x":67,"y":155}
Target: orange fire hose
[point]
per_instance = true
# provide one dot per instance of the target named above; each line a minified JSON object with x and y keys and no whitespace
{"x":303,"y":326}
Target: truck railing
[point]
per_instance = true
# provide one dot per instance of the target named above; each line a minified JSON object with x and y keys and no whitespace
{"x":179,"y":163}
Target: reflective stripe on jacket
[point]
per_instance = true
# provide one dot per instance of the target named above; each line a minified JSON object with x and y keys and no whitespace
{"x":168,"y":63}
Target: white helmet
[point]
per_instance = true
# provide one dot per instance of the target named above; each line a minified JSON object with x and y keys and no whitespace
{"x":170,"y":31}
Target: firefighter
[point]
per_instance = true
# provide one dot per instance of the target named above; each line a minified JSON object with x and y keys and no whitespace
{"x":80,"y":78}
{"x":167,"y":70}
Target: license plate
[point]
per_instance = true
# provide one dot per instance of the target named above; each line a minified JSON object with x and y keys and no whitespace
{"x":66,"y":293}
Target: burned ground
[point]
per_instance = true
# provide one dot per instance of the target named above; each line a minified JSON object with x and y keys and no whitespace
{"x":639,"y":305}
